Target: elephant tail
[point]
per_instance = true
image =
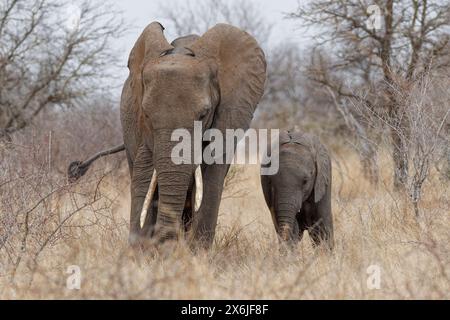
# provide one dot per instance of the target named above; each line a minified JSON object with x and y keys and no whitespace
{"x":77,"y":169}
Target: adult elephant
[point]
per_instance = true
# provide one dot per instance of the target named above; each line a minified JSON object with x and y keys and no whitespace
{"x":217,"y":79}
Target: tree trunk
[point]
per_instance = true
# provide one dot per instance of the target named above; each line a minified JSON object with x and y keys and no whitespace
{"x":399,"y":151}
{"x":398,"y":127}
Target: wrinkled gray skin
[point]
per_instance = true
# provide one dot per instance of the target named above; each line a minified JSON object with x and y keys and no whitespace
{"x":218,"y":79}
{"x":299,"y":195}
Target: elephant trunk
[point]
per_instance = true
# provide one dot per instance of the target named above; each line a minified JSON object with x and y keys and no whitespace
{"x":173,"y":189}
{"x":286,"y":219}
{"x":173,"y":183}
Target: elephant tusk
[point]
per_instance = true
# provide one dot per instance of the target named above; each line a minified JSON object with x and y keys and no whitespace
{"x":148,"y":198}
{"x":198,"y":188}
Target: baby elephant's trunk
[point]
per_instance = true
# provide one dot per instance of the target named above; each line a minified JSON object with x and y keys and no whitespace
{"x":286,"y":220}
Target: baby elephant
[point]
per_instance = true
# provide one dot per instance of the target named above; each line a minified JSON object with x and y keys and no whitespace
{"x":299,"y":194}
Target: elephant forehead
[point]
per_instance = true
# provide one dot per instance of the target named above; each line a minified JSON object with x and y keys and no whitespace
{"x":292,"y":172}
{"x":296,"y":151}
{"x":296,"y":155}
{"x":177,"y":66}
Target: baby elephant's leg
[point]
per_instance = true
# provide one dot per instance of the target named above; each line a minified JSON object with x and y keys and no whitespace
{"x":320,"y":224}
{"x":302,"y":224}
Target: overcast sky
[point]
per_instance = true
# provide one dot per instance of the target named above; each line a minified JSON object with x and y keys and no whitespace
{"x":141,"y":12}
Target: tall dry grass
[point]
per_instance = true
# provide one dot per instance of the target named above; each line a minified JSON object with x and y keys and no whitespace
{"x":47,"y":226}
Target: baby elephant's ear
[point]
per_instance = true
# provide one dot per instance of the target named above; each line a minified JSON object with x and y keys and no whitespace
{"x":323,"y":169}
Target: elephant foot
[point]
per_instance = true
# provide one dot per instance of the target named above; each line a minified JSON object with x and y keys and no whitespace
{"x":326,"y":245}
{"x":200,"y":244}
{"x":286,"y":247}
{"x":133,"y":239}
{"x":143,"y":246}
{"x":137,"y":241}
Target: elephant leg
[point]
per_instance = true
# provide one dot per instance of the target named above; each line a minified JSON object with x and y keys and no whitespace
{"x":205,"y":220}
{"x":150,"y":219}
{"x":188,"y":208}
{"x":295,"y":232}
{"x":301,"y":223}
{"x":140,"y":181}
{"x":289,"y":245}
{"x":130,"y":163}
{"x":321,"y":224}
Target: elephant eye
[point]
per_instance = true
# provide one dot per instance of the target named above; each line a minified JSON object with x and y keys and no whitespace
{"x":166,"y":52}
{"x":204,"y":113}
{"x":189,"y":52}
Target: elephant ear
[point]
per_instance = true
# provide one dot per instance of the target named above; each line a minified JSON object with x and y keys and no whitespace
{"x":323,"y":169}
{"x":151,"y":44}
{"x":241,"y":67}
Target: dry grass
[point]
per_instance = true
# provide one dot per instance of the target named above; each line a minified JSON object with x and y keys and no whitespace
{"x":372,"y":227}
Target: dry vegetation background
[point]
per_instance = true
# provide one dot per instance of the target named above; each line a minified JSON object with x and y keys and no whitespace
{"x":48,"y":225}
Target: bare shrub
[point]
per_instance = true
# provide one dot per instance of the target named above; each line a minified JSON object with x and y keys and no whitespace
{"x":196,"y":17}
{"x":53,"y":53}
{"x":39,"y":209}
{"x":365,"y":62}
{"x":426,"y":119}
{"x":424,"y":112}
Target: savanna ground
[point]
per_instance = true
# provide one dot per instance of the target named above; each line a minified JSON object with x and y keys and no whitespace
{"x":47,"y":226}
{"x":58,"y":103}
